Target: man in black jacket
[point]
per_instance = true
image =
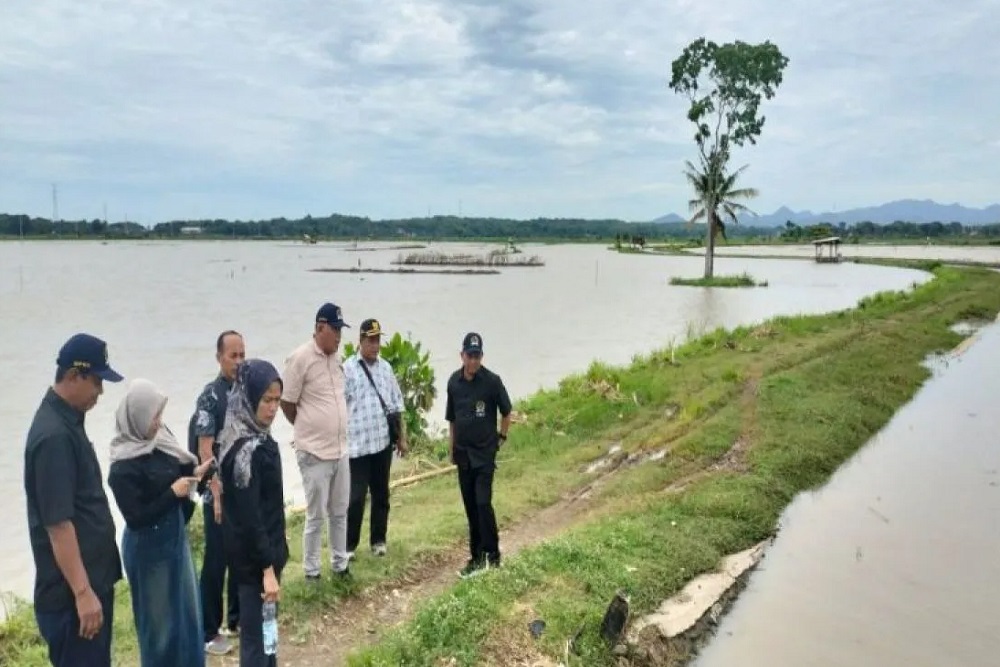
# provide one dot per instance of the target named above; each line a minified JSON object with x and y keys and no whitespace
{"x":72,"y":533}
{"x":475,"y":395}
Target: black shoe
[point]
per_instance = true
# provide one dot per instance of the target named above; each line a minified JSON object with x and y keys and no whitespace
{"x":343,"y":575}
{"x":312,"y":578}
{"x":474,"y":567}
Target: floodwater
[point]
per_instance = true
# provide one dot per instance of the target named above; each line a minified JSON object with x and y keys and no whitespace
{"x":981,"y":254}
{"x":160,"y":306}
{"x":896,"y":561}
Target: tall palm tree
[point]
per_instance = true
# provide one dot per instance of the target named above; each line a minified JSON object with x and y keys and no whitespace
{"x":715,"y":189}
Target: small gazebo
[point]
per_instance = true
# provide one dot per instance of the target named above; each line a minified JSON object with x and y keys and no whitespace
{"x":832,"y":244}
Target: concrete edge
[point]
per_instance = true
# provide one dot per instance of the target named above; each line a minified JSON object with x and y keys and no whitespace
{"x":672,"y":635}
{"x":680,"y":613}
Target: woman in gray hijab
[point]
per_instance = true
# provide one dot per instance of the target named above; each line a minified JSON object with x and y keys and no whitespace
{"x":151,"y":476}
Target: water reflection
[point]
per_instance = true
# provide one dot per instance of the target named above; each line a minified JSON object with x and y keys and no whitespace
{"x":709,"y":308}
{"x":893,"y":563}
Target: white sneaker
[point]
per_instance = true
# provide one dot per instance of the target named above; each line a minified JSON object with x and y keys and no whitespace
{"x":350,"y":556}
{"x":379,"y":549}
{"x":218,"y":646}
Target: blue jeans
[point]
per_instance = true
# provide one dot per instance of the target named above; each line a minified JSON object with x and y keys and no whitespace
{"x":61,"y":631}
{"x":165,"y":600}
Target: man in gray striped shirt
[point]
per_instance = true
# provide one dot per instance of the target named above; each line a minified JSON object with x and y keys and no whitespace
{"x":369,"y":396}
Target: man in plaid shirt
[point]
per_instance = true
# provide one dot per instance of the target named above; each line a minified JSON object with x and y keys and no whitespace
{"x":368,"y":436}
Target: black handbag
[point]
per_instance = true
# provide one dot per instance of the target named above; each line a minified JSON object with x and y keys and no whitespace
{"x":393,"y":419}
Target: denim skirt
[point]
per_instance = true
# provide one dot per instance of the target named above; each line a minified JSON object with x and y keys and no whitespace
{"x":165,"y":599}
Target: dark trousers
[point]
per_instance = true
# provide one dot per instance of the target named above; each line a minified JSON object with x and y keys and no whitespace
{"x":369,"y":472}
{"x":251,"y":628}
{"x":476,"y":485}
{"x":213,"y":580}
{"x":61,"y":631}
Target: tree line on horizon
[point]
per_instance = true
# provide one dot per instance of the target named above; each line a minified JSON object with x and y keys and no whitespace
{"x":452,"y":227}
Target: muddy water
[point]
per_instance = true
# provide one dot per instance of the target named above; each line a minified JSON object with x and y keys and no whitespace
{"x":160,"y":306}
{"x":896,"y":561}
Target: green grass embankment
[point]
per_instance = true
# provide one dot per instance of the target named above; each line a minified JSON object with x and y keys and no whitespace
{"x":777,"y":409}
{"x":748,"y":418}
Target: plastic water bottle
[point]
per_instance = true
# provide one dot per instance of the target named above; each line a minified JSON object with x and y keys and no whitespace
{"x":270,"y":630}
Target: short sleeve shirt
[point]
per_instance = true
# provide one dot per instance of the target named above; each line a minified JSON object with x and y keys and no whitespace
{"x":63,"y":482}
{"x":314,"y":382}
{"x":367,"y":430}
{"x":210,"y":413}
{"x":472,"y":406}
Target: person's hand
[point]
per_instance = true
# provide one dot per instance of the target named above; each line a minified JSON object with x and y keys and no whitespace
{"x":200,"y":471}
{"x":88,"y":608}
{"x":182,"y":487}
{"x":217,"y":507}
{"x":401,"y":447}
{"x":272,"y":591}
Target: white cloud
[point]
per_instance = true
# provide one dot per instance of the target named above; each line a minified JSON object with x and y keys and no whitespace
{"x":519,"y":108}
{"x":413,"y":34}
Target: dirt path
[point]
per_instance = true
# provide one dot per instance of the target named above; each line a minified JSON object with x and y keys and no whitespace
{"x":362,"y":619}
{"x":515,"y":649}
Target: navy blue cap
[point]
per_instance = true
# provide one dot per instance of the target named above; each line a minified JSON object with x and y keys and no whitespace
{"x":330,"y":314}
{"x":472,"y":343}
{"x":89,"y":355}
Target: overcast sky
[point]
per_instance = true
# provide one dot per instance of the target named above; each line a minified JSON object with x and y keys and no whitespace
{"x":262,"y":108}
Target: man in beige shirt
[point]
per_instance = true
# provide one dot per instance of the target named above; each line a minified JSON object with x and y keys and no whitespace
{"x":313,"y":401}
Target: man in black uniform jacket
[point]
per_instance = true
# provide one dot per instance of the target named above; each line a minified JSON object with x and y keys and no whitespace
{"x":475,"y":395}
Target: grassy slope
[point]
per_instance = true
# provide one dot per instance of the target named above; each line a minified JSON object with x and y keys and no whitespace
{"x":802,"y":424}
{"x":800,"y":395}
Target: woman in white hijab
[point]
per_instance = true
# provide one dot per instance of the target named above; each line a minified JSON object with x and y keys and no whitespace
{"x":151,"y":476}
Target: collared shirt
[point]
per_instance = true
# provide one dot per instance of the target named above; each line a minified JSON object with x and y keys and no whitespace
{"x":208,"y":419}
{"x":314,"y":382}
{"x":210,"y":413}
{"x":367,"y":430}
{"x":472,"y":407}
{"x":63,"y":482}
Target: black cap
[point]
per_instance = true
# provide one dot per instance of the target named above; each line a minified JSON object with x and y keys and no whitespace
{"x":330,"y":314}
{"x":89,"y":355}
{"x":472,"y":343}
{"x":371,"y":328}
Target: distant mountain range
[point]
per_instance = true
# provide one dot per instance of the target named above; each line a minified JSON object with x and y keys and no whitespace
{"x":907,"y":210}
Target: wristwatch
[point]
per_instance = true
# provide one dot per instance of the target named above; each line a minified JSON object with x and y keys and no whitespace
{"x":502,"y":436}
